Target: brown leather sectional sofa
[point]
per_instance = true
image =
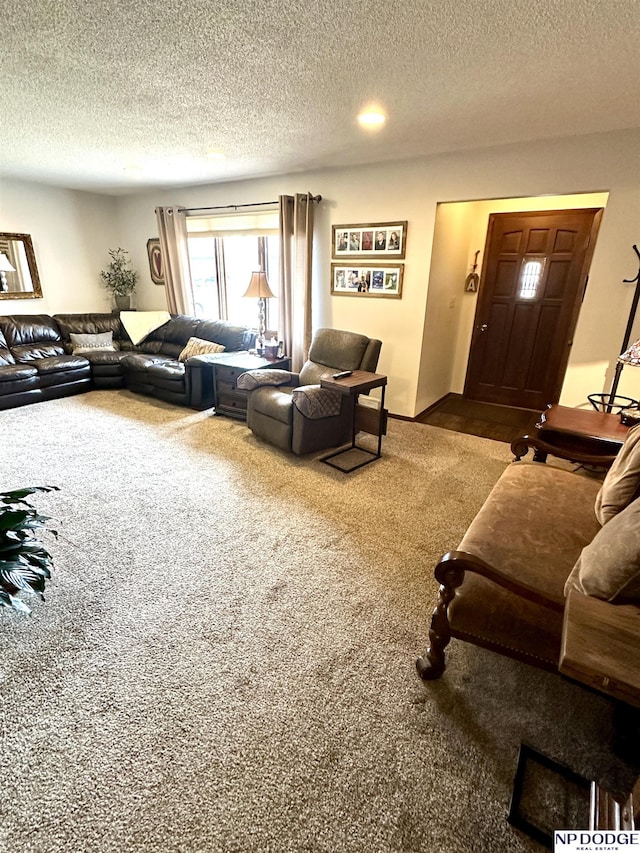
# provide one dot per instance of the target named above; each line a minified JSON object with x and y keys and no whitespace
{"x":37,"y":360}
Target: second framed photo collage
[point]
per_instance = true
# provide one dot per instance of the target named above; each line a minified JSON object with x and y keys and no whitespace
{"x":366,"y":259}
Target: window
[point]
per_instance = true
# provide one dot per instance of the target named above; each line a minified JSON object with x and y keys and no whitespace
{"x":530,"y":277}
{"x":223,"y":252}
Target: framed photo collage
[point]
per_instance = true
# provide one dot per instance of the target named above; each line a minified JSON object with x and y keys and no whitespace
{"x":366,"y":259}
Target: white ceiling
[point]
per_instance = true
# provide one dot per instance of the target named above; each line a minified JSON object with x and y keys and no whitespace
{"x":122,"y":95}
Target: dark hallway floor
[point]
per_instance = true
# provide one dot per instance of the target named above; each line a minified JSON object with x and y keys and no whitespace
{"x":487,"y":420}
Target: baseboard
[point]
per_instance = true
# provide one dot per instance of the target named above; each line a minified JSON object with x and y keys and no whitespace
{"x":427,"y":411}
{"x":450,"y":396}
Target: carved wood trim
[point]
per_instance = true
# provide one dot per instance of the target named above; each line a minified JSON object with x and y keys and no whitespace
{"x":470,"y":563}
{"x":432,"y":664}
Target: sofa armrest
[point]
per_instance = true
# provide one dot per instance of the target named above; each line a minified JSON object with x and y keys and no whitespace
{"x":199,"y":384}
{"x":252,"y":379}
{"x":203,"y":360}
{"x":450,"y":573}
{"x":451,"y":568}
{"x":315,"y":402}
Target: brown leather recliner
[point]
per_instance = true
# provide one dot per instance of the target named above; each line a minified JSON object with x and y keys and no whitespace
{"x":292,"y":411}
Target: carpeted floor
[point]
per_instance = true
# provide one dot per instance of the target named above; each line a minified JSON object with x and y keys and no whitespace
{"x":225,"y":659}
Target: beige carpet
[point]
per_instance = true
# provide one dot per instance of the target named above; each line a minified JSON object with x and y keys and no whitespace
{"x":225,"y":659}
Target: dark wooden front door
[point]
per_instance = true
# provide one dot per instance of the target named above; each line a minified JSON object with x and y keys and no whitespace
{"x":533,"y":280}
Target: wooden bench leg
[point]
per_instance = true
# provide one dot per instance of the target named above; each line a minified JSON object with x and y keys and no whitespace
{"x":432,"y":664}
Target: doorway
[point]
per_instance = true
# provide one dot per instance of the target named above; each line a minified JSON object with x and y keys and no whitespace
{"x":533,"y":281}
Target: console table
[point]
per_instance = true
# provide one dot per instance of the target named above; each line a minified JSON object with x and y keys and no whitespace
{"x":373,"y":421}
{"x":227,"y":399}
{"x":579,"y":435}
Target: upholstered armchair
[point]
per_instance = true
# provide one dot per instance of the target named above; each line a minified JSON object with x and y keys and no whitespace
{"x":292,"y":411}
{"x":543,"y":533}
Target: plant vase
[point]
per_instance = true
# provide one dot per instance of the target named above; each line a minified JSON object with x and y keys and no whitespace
{"x":123,"y":302}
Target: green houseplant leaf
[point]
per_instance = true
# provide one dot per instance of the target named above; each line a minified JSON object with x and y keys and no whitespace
{"x":25,"y":564}
{"x":118,"y":278}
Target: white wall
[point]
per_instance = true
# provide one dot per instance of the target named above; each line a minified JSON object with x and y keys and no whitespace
{"x":445,"y":302}
{"x":373,"y":194}
{"x":412,"y":353}
{"x":71,"y":233}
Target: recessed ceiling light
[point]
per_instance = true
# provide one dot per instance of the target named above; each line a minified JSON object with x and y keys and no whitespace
{"x":216,"y":155}
{"x":372,"y":119}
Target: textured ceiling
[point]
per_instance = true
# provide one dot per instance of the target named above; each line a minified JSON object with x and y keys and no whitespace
{"x":120,"y":95}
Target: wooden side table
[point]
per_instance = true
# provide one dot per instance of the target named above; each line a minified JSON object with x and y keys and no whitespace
{"x":601,"y":646}
{"x":601,"y":649}
{"x":579,"y":435}
{"x":232,"y":401}
{"x":364,"y":419}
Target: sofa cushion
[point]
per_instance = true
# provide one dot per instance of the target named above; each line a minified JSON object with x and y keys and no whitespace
{"x":534,"y":524}
{"x":169,"y":375}
{"x":609,"y":567}
{"x":17,"y":377}
{"x":90,"y":343}
{"x":198,"y":346}
{"x":62,"y":370}
{"x":104,"y":356}
{"x":31,"y":336}
{"x":5,"y":352}
{"x":170,"y":339}
{"x":232,"y":338}
{"x":622,"y":483}
{"x":142,"y":361}
{"x":56,"y":364}
{"x":273,"y":402}
{"x":92,"y":324}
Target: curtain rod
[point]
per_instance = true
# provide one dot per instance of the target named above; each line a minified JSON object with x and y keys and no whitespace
{"x":316,"y":198}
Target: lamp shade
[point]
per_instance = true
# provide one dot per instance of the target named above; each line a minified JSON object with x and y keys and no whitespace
{"x":259,"y":286}
{"x":632,"y":355}
{"x":5,"y":264}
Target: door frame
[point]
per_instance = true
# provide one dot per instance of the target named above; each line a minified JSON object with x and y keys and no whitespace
{"x":584,"y":275}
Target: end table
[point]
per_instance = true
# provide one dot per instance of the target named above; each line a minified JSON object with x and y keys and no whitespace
{"x":229,"y":400}
{"x":364,"y":420}
{"x":579,"y":435}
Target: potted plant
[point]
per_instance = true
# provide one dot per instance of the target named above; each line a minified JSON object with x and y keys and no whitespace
{"x":25,"y":564}
{"x":119,"y":279}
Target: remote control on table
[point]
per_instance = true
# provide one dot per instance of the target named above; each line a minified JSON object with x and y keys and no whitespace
{"x":342,"y":375}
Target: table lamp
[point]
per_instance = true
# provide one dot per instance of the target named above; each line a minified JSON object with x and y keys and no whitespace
{"x":630,"y":356}
{"x":5,"y":267}
{"x":259,"y":289}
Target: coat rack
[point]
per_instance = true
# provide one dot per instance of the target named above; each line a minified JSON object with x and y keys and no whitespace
{"x":627,"y":333}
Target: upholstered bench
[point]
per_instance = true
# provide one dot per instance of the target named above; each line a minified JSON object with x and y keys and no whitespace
{"x":541,"y":533}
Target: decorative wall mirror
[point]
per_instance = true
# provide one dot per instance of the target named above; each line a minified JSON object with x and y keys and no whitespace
{"x":19,"y":277}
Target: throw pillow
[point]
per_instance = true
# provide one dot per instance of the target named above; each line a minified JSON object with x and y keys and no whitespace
{"x":622,"y":483}
{"x":198,"y":346}
{"x":609,"y":566}
{"x":255,"y":378}
{"x":90,"y":343}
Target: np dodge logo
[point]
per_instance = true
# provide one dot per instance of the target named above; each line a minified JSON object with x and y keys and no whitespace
{"x":590,"y":841}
